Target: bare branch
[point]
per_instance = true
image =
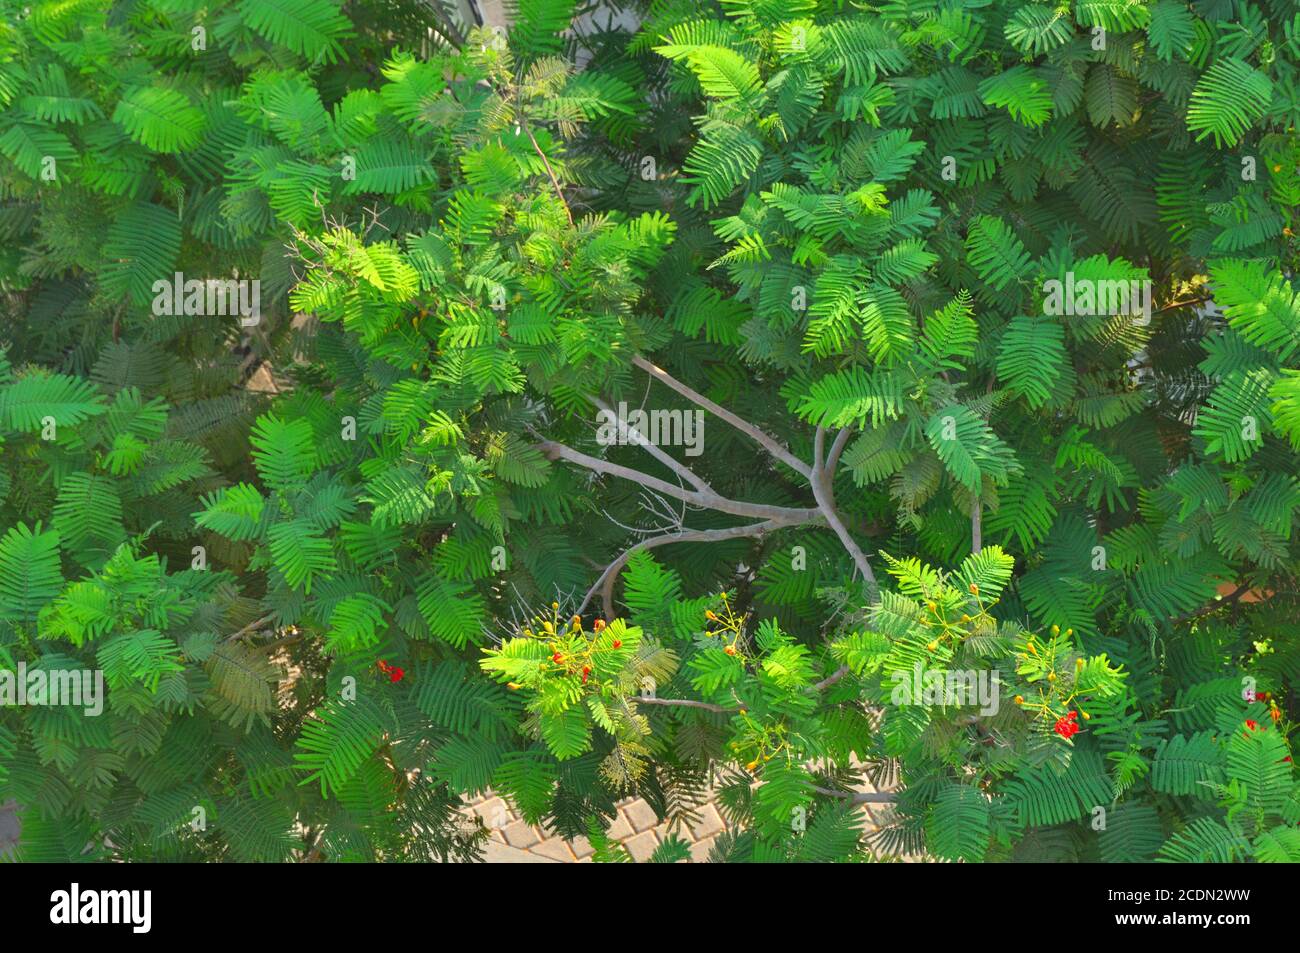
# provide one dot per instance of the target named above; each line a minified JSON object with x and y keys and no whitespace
{"x":976,"y":527}
{"x":768,"y":443}
{"x":857,"y":797}
{"x":559,"y":193}
{"x":658,"y":453}
{"x":255,"y":624}
{"x":606,"y":580}
{"x":830,"y":679}
{"x":833,"y":459}
{"x":712,"y":501}
{"x":822,"y":494}
{"x":685,"y":703}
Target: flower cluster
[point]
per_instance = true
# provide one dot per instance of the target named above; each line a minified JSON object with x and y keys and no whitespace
{"x":572,"y":650}
{"x":946,"y":620}
{"x":394,"y":672}
{"x":728,"y":627}
{"x":1068,"y":726}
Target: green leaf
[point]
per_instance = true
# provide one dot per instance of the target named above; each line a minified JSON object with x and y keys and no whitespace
{"x":30,"y":575}
{"x":160,"y":118}
{"x":1229,"y":97}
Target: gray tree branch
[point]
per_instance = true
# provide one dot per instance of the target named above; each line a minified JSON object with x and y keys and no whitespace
{"x":744,"y":426}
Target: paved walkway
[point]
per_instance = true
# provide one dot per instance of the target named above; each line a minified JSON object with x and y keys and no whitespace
{"x":515,"y":842}
{"x":635,"y":827}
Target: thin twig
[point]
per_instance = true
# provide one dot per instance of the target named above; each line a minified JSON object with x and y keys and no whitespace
{"x":768,"y":443}
{"x":256,"y":624}
{"x":559,"y":193}
{"x":655,"y":451}
{"x":684,"y":703}
{"x":605,"y":581}
{"x":830,"y":679}
{"x":712,"y":501}
{"x":857,"y":797}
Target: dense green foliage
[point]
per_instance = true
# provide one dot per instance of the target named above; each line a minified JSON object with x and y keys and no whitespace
{"x":833,"y":227}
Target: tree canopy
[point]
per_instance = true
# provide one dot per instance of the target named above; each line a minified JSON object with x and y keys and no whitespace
{"x":967,"y":364}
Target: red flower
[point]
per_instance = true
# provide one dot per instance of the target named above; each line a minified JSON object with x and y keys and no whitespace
{"x":397,"y":674}
{"x":618,"y":643}
{"x":557,"y":658}
{"x":1287,"y":758}
{"x":586,"y":670}
{"x":598,"y":625}
{"x":1067,"y":727}
{"x":383,"y":666}
{"x":1252,"y":724}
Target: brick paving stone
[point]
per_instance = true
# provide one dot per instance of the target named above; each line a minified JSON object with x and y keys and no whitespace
{"x":621,"y":829}
{"x":502,"y":853}
{"x":521,"y":835}
{"x":666,"y":830}
{"x":494,"y":811}
{"x":635,"y":826}
{"x":641,"y":815}
{"x":642,"y":846}
{"x":554,"y":848}
{"x":710,"y":822}
{"x":700,"y":850}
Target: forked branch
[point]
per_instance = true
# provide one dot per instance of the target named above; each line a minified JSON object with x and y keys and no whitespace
{"x":744,"y":426}
{"x":820,"y":476}
{"x":605,"y":584}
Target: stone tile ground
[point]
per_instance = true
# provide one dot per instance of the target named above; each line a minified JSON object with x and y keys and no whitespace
{"x":635,"y":827}
{"x":515,"y":842}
